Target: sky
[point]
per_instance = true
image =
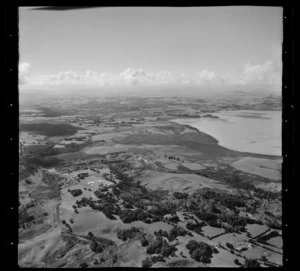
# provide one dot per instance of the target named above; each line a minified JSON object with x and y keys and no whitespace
{"x":134,"y":46}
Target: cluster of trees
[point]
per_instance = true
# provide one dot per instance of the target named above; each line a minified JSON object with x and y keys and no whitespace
{"x":237,"y":223}
{"x":133,"y":200}
{"x":46,"y":162}
{"x":83,"y":265}
{"x":228,"y":200}
{"x":44,"y":156}
{"x":274,"y":225}
{"x":157,"y":258}
{"x":229,"y":245}
{"x":127,"y":205}
{"x":135,"y":194}
{"x":128,"y":233}
{"x":48,"y":151}
{"x":161,"y":246}
{"x":128,"y":216}
{"x":174,"y":158}
{"x":149,"y":261}
{"x":67,"y":225}
{"x":266,"y":237}
{"x":207,"y":217}
{"x":236,"y":182}
{"x":98,"y":244}
{"x":108,"y":197}
{"x":200,"y":251}
{"x":118,"y":171}
{"x":264,"y":194}
{"x":24,"y":218}
{"x":196,"y":227}
{"x":106,"y":208}
{"x":251,"y":263}
{"x":161,"y":233}
{"x":162,"y":209}
{"x":75,"y":192}
{"x":172,"y":234}
{"x":177,"y":231}
{"x":173,"y":219}
{"x":180,"y":195}
{"x":54,"y":184}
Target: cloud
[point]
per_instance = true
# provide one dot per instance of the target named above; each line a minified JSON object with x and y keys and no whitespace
{"x":209,"y":77}
{"x":24,"y":71}
{"x":267,"y":73}
{"x":139,"y":76}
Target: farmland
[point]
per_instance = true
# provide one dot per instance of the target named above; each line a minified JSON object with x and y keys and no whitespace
{"x":114,"y":183}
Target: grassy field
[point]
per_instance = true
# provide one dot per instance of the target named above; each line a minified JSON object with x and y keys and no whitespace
{"x":177,"y":182}
{"x":263,"y":167}
{"x":276,"y":241}
{"x":212,"y":231}
{"x":256,"y":229}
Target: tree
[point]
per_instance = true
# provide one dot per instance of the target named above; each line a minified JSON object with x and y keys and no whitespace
{"x":167,"y":250}
{"x":263,"y":258}
{"x":154,"y":246}
{"x":147,"y":263}
{"x":84,"y":265}
{"x":236,"y":261}
{"x":93,"y":246}
{"x":251,"y":263}
{"x":144,"y":242}
{"x":192,"y":245}
{"x":229,"y":245}
{"x":90,"y":235}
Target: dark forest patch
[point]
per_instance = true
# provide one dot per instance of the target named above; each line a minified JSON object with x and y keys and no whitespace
{"x":48,"y":129}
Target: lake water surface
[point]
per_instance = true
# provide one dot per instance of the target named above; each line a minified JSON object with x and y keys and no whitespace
{"x":243,"y":130}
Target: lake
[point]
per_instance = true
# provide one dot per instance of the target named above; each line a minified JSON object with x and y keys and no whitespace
{"x":243,"y":130}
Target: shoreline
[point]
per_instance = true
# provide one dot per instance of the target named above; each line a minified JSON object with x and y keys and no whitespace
{"x":216,"y":142}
